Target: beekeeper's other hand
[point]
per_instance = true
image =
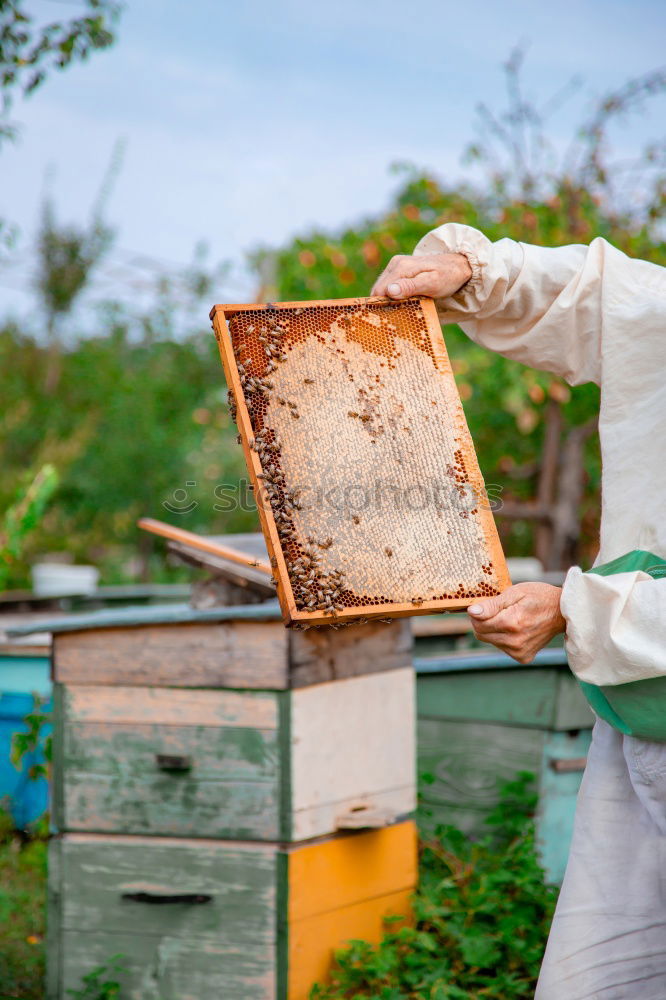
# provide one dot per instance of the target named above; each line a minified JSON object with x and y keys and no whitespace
{"x":520,"y":620}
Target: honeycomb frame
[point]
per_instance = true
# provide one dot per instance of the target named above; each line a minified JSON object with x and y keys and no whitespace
{"x":266,"y":328}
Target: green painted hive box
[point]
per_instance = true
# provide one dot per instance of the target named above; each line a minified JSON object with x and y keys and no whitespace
{"x":231,"y":728}
{"x":481,"y":719}
{"x":219,"y":920}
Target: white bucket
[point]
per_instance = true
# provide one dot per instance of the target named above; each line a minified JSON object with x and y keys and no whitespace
{"x":60,"y":580}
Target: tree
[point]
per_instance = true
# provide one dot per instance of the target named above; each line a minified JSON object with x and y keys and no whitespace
{"x":30,"y":53}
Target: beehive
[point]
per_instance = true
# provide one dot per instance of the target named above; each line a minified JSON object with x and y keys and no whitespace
{"x":368,"y":488}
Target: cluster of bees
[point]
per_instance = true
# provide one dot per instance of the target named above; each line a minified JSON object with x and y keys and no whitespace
{"x":313,"y":589}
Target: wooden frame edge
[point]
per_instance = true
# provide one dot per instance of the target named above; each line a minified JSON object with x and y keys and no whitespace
{"x":284,"y":592}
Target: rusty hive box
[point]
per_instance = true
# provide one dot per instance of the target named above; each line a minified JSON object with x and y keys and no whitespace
{"x":368,"y":488}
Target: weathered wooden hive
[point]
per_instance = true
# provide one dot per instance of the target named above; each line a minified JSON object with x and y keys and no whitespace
{"x":233,"y":799}
{"x":369,"y":492}
{"x":482,"y":718}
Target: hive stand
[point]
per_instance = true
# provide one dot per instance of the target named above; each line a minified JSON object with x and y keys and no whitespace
{"x":232,"y":799}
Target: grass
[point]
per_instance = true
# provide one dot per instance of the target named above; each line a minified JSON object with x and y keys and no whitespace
{"x":22,"y":912}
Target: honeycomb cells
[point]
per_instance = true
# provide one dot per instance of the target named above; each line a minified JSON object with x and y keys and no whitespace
{"x":368,"y":470}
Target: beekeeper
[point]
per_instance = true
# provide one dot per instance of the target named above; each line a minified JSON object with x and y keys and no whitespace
{"x":588,"y":314}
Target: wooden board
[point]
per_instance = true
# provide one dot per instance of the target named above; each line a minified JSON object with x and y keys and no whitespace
{"x":122,"y":749}
{"x":539,"y":697}
{"x":224,"y":947}
{"x":332,"y":396}
{"x":468,"y":761}
{"x":313,"y":942}
{"x":327,"y":654}
{"x":353,"y":747}
{"x":237,"y":654}
{"x":340,"y":871}
{"x":203,"y":544}
{"x":224,"y":654}
{"x":558,"y":791}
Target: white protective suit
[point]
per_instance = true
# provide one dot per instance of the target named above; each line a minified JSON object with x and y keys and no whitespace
{"x":589,"y":313}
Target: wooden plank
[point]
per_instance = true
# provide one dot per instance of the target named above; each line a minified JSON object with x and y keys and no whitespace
{"x":169,"y":706}
{"x":98,"y":874}
{"x":352,"y":744}
{"x":53,"y":922}
{"x":113,"y":781}
{"x":449,"y":624}
{"x":468,"y":761}
{"x":313,"y":941}
{"x":203,"y":544}
{"x":57,"y":768}
{"x":517,"y":697}
{"x":572,"y":710}
{"x":228,"y":654}
{"x":173,"y":966}
{"x":327,"y":654}
{"x":351,"y":868}
{"x":247,"y":577}
{"x":224,"y":947}
{"x":557,"y":799}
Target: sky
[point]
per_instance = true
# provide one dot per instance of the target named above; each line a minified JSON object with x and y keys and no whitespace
{"x":245,"y":123}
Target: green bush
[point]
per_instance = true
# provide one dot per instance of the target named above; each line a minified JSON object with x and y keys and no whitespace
{"x":481,"y":918}
{"x":22,"y":910}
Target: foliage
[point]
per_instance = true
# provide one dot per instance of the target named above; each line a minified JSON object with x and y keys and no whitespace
{"x":139,"y":420}
{"x":97,"y":986}
{"x":22,"y":912}
{"x":35,"y":744}
{"x":527,"y":196}
{"x":481,"y":917}
{"x":29,"y":53}
{"x":23,"y":516}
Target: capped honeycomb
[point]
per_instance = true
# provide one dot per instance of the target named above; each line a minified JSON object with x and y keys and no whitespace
{"x":367,"y":484}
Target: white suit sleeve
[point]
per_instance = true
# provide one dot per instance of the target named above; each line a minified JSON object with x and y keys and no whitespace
{"x":616,"y":626}
{"x":537,"y":305}
{"x":564,"y":310}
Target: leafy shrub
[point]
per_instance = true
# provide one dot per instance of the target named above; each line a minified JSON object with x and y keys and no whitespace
{"x":481,"y":918}
{"x":97,"y":985}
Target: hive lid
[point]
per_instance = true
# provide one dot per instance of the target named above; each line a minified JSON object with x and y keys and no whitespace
{"x":369,"y":493}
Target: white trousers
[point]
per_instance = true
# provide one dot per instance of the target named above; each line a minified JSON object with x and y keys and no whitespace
{"x":608,"y":938}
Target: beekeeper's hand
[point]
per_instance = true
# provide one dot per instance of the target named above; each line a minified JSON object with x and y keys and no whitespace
{"x":520,"y":620}
{"x":435,"y":274}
